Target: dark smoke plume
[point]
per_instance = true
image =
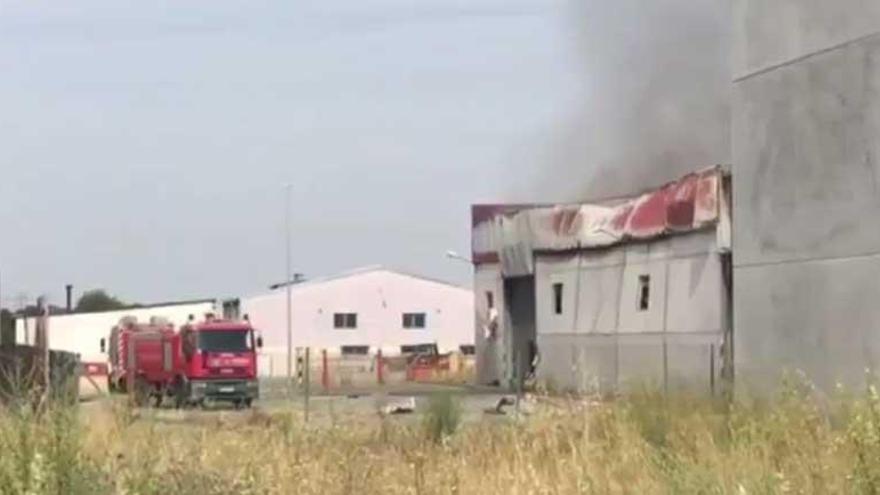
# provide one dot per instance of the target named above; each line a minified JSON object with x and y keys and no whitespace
{"x":656,"y":97}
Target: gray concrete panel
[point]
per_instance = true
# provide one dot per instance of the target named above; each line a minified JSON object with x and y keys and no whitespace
{"x":641,"y":362}
{"x":693,"y":244}
{"x":695,"y":294}
{"x":578,"y":363}
{"x":602,"y":257}
{"x":806,"y":150}
{"x":589,"y":305}
{"x":599,"y":300}
{"x":645,"y":252}
{"x":821,"y":317}
{"x":632,"y":318}
{"x":770,"y":32}
{"x":606,"y":363}
{"x":674,"y":246}
{"x":545,"y":277}
{"x":690,"y":363}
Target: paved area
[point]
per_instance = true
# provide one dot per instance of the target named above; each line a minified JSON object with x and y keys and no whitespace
{"x":367,"y":407}
{"x":350,"y":407}
{"x":359,"y":403}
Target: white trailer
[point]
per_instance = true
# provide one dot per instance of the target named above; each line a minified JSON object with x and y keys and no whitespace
{"x":81,"y":333}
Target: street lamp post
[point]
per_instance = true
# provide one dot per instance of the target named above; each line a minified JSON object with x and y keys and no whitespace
{"x":287,"y":279}
{"x":453,"y":255}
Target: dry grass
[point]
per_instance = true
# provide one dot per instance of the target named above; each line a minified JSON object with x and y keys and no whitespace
{"x":646,"y":444}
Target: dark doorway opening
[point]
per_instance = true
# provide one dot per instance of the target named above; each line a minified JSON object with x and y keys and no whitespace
{"x":519,"y":298}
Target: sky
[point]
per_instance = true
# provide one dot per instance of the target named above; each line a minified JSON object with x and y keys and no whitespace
{"x":144,"y":146}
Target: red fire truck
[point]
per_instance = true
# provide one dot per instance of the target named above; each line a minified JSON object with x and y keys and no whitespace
{"x":211,"y":360}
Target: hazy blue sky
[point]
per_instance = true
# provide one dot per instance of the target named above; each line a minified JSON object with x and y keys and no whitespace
{"x":143,"y":145}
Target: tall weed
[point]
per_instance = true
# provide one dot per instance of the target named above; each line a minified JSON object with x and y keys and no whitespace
{"x":648,"y":442}
{"x":442,"y":417}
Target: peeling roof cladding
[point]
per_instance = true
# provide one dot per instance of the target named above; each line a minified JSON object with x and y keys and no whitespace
{"x":510,"y":234}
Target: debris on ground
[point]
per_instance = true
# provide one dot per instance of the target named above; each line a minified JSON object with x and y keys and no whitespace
{"x":498,"y":410}
{"x":400,"y":406}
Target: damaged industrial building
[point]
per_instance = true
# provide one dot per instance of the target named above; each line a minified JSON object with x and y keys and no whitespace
{"x":805,"y":244}
{"x":601,"y":295}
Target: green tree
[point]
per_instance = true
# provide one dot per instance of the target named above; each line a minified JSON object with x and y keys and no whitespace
{"x":7,"y":328}
{"x":98,"y":300}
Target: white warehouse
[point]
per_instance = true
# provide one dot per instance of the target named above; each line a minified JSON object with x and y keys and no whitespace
{"x":360,"y":313}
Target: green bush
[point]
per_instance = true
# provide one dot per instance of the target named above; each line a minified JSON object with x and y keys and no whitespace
{"x":443,"y":416}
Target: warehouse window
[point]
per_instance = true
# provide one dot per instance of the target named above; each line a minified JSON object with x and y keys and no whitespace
{"x":557,"y":298}
{"x":490,"y":299}
{"x":419,"y":349}
{"x":345,"y":320}
{"x":467,"y":350}
{"x":414,"y":320}
{"x":644,"y":292}
{"x":355,"y":350}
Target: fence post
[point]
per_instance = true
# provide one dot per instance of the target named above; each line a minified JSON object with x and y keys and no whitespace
{"x":325,"y":373}
{"x":712,"y":369}
{"x":42,"y":344}
{"x":379,"y":365}
{"x":665,"y":367}
{"x":308,"y":382}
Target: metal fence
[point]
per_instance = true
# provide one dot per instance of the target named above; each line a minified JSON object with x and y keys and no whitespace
{"x":339,"y":372}
{"x":20,"y":373}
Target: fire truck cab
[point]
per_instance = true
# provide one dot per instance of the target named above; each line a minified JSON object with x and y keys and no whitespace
{"x":219,"y":361}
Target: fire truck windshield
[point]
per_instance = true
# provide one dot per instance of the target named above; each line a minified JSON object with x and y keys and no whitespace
{"x":226,"y":341}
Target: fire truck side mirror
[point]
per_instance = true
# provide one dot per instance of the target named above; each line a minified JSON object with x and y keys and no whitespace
{"x":103,"y":345}
{"x":259,"y":342}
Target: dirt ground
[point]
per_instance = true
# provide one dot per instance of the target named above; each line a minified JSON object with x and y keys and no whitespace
{"x":336,"y":407}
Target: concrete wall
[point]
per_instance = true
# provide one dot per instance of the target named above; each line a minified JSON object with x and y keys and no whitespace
{"x":806,"y":189}
{"x":603,"y":341}
{"x":379,"y":298}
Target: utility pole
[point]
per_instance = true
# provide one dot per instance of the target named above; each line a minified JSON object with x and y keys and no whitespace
{"x":4,"y":334}
{"x":42,"y":344}
{"x":287,"y":281}
{"x":2,"y":330}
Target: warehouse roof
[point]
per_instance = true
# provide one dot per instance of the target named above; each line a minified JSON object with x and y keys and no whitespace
{"x":361,"y":271}
{"x":510,"y":234}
